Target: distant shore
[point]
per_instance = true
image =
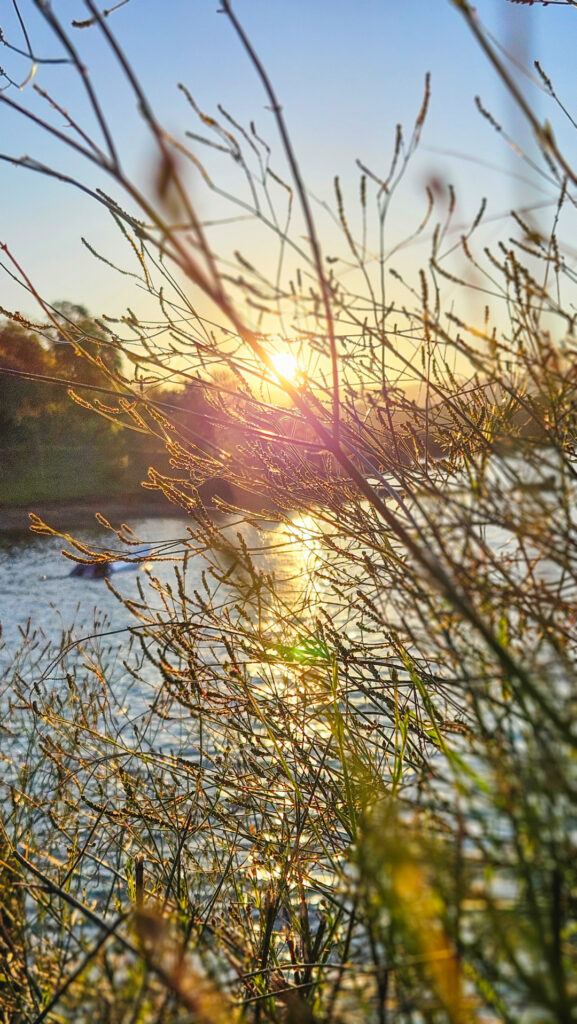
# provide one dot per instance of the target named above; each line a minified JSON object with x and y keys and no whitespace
{"x":80,"y":513}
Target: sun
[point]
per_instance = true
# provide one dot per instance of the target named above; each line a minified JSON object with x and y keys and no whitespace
{"x":285,"y":365}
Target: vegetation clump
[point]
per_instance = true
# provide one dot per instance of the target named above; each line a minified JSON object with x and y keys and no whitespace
{"x":330,"y":773}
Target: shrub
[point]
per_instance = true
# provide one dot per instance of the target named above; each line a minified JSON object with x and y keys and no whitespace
{"x":345,"y":790}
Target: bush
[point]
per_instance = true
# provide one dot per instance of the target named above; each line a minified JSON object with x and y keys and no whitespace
{"x":345,"y":790}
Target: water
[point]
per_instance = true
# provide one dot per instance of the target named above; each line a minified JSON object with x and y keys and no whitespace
{"x":36,"y":584}
{"x":45,"y":613}
{"x":149,"y":745}
{"x":71,"y":655}
{"x":102,"y":671}
{"x":36,"y":589}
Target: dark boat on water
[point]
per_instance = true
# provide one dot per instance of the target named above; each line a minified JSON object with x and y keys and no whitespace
{"x":103,"y":570}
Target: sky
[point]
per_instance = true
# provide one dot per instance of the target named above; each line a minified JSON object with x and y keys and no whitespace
{"x":345,"y":71}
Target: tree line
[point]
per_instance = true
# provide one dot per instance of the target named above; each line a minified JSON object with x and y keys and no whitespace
{"x":51,"y":447}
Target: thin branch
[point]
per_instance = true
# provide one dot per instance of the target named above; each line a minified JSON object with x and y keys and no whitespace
{"x":83,"y":72}
{"x":311,"y":229}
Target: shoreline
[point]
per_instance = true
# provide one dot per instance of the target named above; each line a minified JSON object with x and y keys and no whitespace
{"x":80,"y":512}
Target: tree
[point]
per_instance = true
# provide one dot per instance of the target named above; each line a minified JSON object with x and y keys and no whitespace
{"x":20,"y":352}
{"x":80,"y":346}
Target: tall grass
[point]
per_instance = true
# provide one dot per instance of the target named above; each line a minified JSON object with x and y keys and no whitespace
{"x":331,"y":776}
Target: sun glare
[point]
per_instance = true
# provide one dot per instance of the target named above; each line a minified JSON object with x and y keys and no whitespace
{"x":285,"y":365}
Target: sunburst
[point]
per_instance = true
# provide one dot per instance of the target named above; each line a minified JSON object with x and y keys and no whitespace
{"x":285,"y":365}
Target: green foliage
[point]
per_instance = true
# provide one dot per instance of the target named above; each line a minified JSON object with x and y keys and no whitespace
{"x":51,"y":449}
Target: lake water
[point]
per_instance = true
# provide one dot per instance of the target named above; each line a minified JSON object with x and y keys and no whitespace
{"x":104,"y":681}
{"x":145,"y":740}
{"x":36,"y":584}
{"x":41,"y":606}
{"x":40,"y":603}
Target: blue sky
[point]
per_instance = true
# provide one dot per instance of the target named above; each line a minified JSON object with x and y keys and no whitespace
{"x":346,"y":71}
